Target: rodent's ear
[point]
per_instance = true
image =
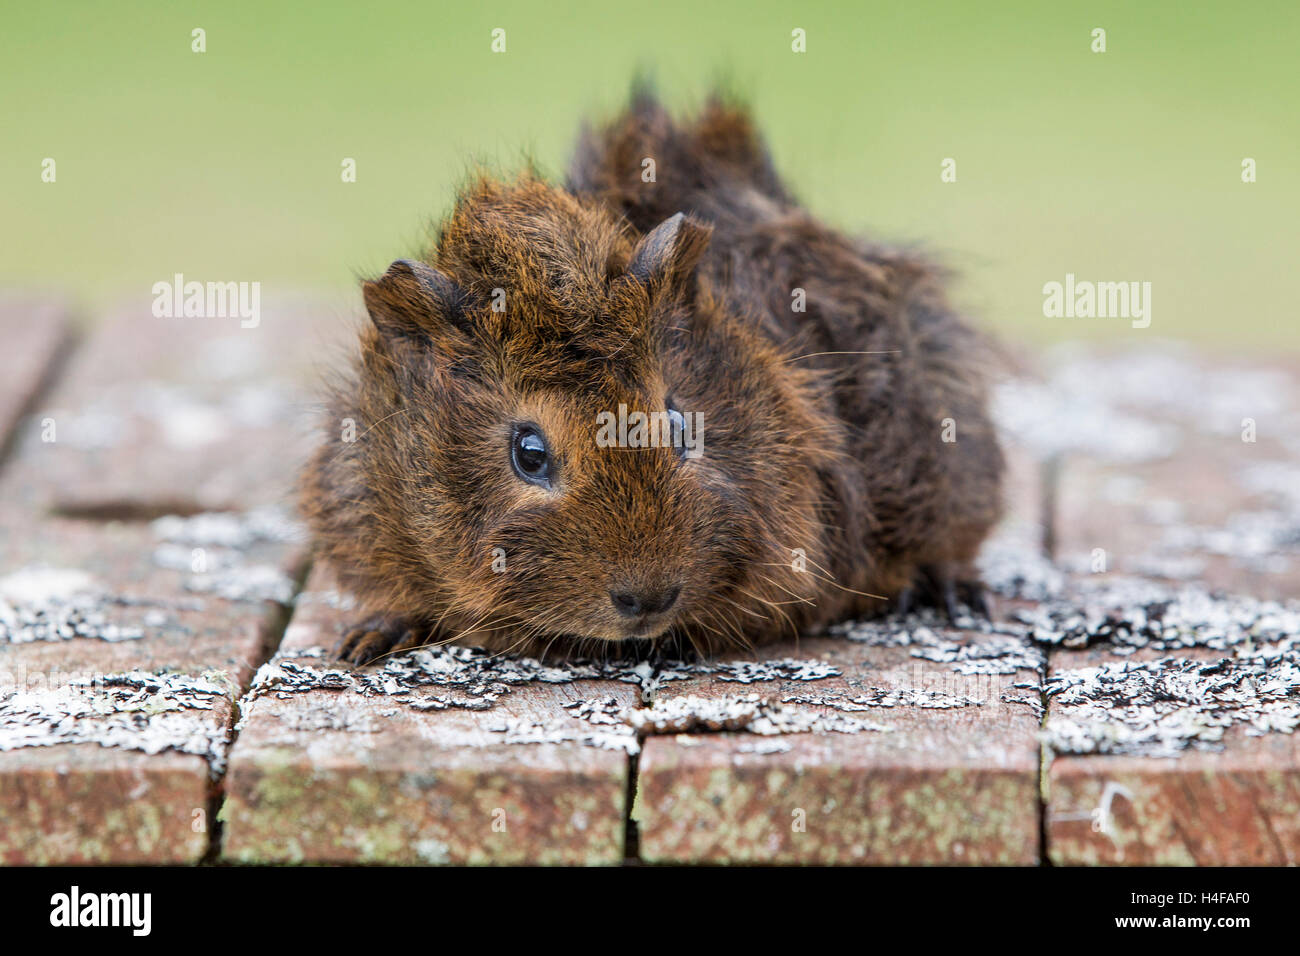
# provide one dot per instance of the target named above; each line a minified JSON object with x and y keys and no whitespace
{"x":670,"y":251}
{"x":412,"y":300}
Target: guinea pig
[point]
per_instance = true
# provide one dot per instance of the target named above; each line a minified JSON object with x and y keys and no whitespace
{"x":671,"y":413}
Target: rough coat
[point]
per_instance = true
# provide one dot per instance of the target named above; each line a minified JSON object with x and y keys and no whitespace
{"x":825,"y":488}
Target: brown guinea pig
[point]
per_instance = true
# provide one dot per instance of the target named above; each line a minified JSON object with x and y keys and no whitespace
{"x":673,"y":413}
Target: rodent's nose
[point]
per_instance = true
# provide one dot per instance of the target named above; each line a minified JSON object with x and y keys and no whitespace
{"x":643,"y":602}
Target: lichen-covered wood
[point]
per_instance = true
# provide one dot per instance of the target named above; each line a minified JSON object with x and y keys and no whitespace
{"x":124,"y":644}
{"x":447,"y":755}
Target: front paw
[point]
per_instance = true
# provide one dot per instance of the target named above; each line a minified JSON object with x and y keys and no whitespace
{"x":946,"y":588}
{"x":379,"y":636}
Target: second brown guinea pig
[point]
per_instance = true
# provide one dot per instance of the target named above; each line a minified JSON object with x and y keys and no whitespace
{"x":632,"y":412}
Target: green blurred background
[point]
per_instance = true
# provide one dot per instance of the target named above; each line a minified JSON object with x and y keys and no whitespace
{"x":226,"y":165}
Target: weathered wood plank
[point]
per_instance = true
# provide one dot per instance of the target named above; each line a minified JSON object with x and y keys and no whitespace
{"x":1176,"y":475}
{"x":1175,"y":743}
{"x":179,"y":415}
{"x":1211,"y":500}
{"x":1174,"y":466}
{"x":952,"y":777}
{"x":83,"y":804}
{"x":124,"y":644}
{"x":35,"y":331}
{"x":1219,"y":512}
{"x":1240,"y":807}
{"x":435,"y":757}
{"x":102,"y":644}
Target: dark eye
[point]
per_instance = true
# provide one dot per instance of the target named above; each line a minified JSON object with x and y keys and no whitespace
{"x":677,"y":423}
{"x":530,"y":456}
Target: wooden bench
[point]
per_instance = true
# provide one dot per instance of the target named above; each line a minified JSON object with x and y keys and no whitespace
{"x":167,"y":695}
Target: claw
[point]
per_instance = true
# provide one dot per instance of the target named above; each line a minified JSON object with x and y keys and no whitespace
{"x":374,"y":638}
{"x":951,"y":606}
{"x":906,"y":599}
{"x":977,"y":596}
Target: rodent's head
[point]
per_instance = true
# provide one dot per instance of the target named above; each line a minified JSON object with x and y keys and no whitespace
{"x":567,"y":435}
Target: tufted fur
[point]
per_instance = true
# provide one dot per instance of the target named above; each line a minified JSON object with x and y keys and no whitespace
{"x":823,"y":480}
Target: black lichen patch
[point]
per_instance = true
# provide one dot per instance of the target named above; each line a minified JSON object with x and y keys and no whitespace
{"x":479,"y":677}
{"x":623,"y":726}
{"x":997,"y":655}
{"x":876,"y":697}
{"x":605,"y":726}
{"x":469,"y":678}
{"x":1157,"y":708}
{"x":748,"y":713}
{"x":140,"y":711}
{"x":1000,"y":649}
{"x":40,"y":603}
{"x":736,"y":672}
{"x":1130,"y":614}
{"x":1160,"y":708}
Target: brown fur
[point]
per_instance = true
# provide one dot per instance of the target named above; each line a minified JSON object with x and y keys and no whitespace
{"x":836,"y":457}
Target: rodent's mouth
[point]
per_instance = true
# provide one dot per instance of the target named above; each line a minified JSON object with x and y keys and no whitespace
{"x":647,"y":627}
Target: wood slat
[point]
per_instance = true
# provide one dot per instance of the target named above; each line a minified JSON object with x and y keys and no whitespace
{"x":36,"y":331}
{"x":1238,"y":805}
{"x":180,"y":415}
{"x":343,"y":774}
{"x":1209,"y":512}
{"x":166,"y":618}
{"x":937,"y":785}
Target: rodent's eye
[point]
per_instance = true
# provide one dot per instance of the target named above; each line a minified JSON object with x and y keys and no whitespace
{"x":530,"y":456}
{"x":677,"y":422}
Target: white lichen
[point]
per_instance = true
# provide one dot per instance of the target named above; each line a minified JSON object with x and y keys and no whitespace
{"x":214,"y":548}
{"x":148,"y":712}
{"x":876,"y":697}
{"x":1161,"y":708}
{"x":749,"y":713}
{"x":39,"y":603}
